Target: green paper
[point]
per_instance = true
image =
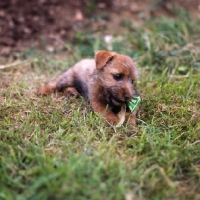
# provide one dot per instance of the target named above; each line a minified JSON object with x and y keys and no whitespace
{"x":133,"y":103}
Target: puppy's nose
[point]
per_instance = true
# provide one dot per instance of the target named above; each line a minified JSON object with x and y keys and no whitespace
{"x":127,"y":96}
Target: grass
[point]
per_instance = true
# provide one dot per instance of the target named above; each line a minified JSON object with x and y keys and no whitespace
{"x":56,"y":148}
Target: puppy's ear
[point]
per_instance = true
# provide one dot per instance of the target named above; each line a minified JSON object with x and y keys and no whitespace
{"x":102,"y":58}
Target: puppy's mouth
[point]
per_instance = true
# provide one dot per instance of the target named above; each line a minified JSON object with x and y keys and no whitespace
{"x":116,"y":99}
{"x":117,"y":102}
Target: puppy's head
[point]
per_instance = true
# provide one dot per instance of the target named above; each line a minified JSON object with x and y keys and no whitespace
{"x":116,"y":73}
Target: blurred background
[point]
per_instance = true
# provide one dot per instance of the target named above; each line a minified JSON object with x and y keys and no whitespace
{"x":48,"y":24}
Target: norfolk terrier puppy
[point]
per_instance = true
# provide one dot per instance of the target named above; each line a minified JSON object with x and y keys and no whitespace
{"x":107,"y":82}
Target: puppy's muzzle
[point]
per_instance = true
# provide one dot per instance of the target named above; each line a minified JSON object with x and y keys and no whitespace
{"x":127,"y":96}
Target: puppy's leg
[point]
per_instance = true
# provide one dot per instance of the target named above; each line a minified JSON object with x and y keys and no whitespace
{"x":130,"y":118}
{"x":108,"y":115}
{"x":71,"y":91}
{"x":63,"y":81}
{"x":48,"y":88}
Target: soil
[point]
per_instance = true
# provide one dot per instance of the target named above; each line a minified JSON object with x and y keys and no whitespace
{"x":23,"y":22}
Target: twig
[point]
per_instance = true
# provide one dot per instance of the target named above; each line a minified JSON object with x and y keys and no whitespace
{"x":196,"y":142}
{"x":14,"y":64}
{"x":61,"y":42}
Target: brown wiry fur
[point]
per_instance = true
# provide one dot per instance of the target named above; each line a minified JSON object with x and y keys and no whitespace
{"x":95,"y":80}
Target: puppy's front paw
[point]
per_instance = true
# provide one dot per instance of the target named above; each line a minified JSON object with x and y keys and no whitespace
{"x":131,"y":119}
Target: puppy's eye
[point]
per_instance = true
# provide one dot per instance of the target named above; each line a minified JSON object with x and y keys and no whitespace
{"x":118,"y":77}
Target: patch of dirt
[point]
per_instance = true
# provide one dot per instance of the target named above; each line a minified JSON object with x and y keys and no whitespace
{"x":23,"y":22}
